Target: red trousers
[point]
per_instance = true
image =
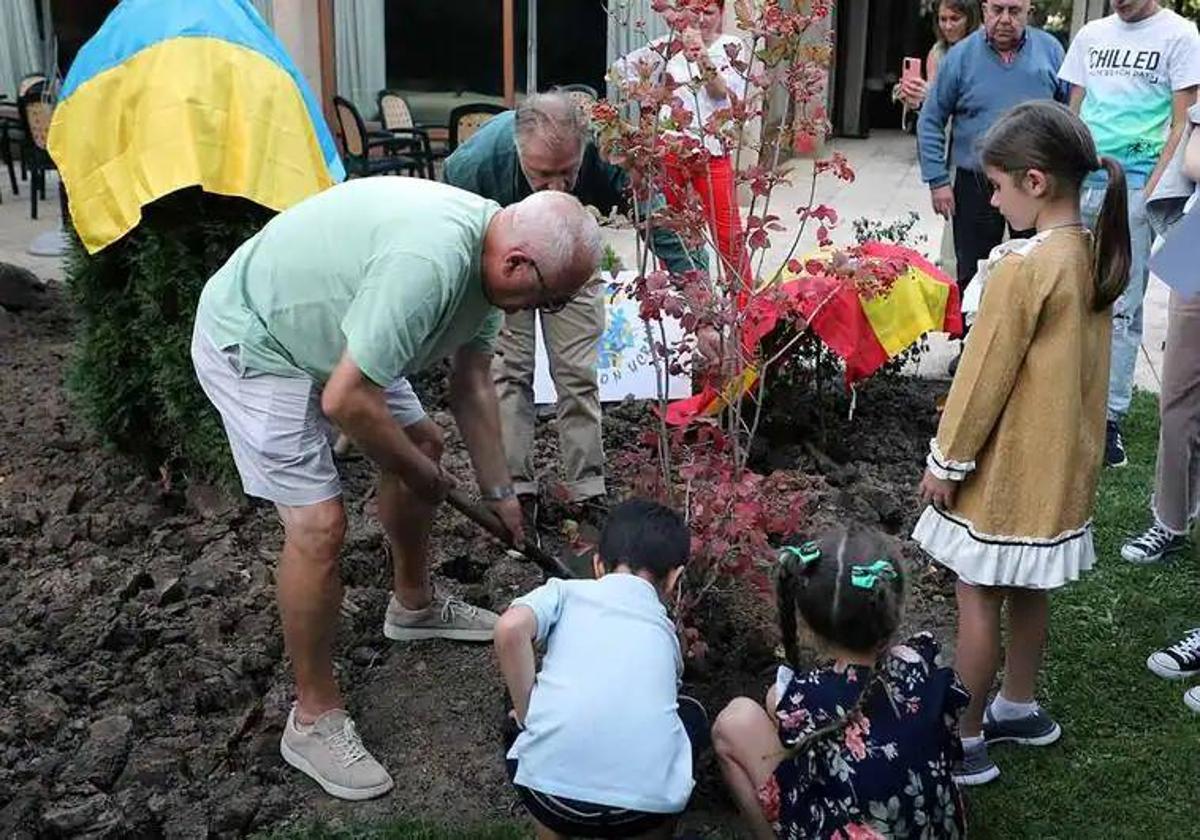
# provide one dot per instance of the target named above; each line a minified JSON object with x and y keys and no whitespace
{"x":718,"y":195}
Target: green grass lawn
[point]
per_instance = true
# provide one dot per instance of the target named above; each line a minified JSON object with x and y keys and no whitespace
{"x":1128,"y":765}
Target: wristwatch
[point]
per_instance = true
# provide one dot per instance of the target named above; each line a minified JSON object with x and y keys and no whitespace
{"x":497,"y":494}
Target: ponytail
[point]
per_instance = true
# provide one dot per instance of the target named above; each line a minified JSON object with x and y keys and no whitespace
{"x":786,"y":602}
{"x":1111,"y":261}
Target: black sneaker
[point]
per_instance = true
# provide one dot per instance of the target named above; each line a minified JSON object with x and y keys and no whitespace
{"x":976,"y":768}
{"x":1035,"y":730}
{"x":1152,"y":546}
{"x":1179,"y":661}
{"x":1114,"y":446}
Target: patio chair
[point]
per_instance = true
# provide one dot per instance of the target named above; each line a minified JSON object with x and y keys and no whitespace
{"x":359,"y":145}
{"x":10,"y":132}
{"x":397,"y":120}
{"x":465,"y":120}
{"x":35,"y":113}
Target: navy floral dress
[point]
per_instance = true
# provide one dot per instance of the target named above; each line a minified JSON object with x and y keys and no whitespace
{"x":887,"y":772}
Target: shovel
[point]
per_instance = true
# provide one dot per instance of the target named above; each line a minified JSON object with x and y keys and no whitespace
{"x":485,"y":518}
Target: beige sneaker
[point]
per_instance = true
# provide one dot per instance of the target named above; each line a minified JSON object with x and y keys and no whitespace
{"x":446,"y":617}
{"x":331,"y":753}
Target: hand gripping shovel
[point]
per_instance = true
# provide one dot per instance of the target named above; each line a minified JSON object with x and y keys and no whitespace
{"x":486,"y":519}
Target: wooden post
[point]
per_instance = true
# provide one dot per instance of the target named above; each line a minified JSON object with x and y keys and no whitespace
{"x":327,"y":39}
{"x":510,"y":68}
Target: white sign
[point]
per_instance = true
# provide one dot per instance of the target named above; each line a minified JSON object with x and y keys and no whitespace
{"x":624,"y":365}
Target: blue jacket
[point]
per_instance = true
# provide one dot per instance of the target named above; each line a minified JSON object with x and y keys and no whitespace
{"x":974,"y":87}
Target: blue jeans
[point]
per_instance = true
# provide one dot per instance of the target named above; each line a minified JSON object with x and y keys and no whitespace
{"x":1127,"y":311}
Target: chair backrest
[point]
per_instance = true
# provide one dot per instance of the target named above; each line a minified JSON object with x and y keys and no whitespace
{"x":35,"y":115}
{"x":393,"y":110}
{"x":465,"y":120}
{"x":579,"y":88}
{"x":27,"y":82}
{"x":354,"y":130}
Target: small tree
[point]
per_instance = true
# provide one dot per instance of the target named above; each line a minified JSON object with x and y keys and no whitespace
{"x":704,"y":466}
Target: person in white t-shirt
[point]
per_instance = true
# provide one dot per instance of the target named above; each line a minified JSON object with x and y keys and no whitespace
{"x":1133,"y":75}
{"x":606,"y":745}
{"x":703,"y":64}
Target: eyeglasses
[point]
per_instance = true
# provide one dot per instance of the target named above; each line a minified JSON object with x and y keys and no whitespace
{"x":548,"y":303}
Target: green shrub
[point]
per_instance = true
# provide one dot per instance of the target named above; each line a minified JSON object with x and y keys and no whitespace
{"x":131,"y":377}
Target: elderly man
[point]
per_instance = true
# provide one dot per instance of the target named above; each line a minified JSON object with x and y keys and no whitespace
{"x":988,"y":72}
{"x":545,"y":145}
{"x":318,"y":319}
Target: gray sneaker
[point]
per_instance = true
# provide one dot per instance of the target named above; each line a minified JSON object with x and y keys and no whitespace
{"x":446,"y":617}
{"x":1192,"y":698}
{"x":976,"y":768}
{"x":331,"y":753}
{"x":1035,"y":730}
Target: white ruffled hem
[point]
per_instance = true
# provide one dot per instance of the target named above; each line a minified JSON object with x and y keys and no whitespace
{"x":944,"y":468}
{"x":987,"y":560}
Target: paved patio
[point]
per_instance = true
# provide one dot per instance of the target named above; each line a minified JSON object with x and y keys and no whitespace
{"x":887,"y":186}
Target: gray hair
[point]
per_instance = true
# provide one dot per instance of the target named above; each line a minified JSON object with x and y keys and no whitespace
{"x":554,"y":118}
{"x":559,"y":233}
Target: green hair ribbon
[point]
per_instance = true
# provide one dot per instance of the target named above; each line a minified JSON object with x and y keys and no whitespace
{"x":865,"y":577}
{"x":804,"y":554}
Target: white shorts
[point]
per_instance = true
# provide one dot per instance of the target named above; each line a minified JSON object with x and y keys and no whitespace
{"x":281,"y":441}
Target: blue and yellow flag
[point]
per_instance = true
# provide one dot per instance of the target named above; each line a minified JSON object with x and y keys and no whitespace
{"x":174,"y":93}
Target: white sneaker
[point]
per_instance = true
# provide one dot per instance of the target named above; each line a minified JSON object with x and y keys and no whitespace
{"x":331,"y":754}
{"x":446,"y":617}
{"x":1192,"y":698}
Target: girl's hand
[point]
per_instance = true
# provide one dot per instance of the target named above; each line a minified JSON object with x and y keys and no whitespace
{"x":938,"y":492}
{"x":693,"y":45}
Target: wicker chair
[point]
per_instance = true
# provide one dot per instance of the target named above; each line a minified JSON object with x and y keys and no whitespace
{"x":36,"y":113}
{"x":465,"y":120}
{"x":359,"y":144}
{"x":417,"y":139}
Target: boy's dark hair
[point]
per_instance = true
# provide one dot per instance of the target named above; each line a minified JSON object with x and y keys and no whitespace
{"x":1049,"y":137}
{"x":645,"y":536}
{"x":849,"y":590}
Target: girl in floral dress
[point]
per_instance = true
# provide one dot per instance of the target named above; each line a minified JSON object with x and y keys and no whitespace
{"x":862,"y":746}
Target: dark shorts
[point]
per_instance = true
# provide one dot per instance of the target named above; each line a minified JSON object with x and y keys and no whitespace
{"x":588,"y":819}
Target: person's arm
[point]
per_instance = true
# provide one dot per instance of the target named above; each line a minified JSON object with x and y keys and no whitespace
{"x":931,"y":135}
{"x":1191,"y":155}
{"x":1000,"y":338}
{"x":1074,"y":71}
{"x":358,"y":407}
{"x":477,"y":412}
{"x":1180,"y":103}
{"x":513,"y":640}
{"x":1075,"y":103}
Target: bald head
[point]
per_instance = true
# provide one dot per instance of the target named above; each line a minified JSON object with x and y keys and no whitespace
{"x":540,"y":252}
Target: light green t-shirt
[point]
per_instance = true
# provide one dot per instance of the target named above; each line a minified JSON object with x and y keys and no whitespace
{"x":385,"y":268}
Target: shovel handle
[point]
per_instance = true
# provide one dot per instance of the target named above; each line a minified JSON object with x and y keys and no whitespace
{"x":487,"y":519}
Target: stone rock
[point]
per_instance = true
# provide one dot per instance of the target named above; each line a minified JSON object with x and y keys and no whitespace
{"x":103,"y":755}
{"x":64,"y":530}
{"x":63,"y":500}
{"x":9,"y":325}
{"x":209,"y":501}
{"x":214,"y":571}
{"x":235,"y":802}
{"x":43,"y":712}
{"x":19,"y":818}
{"x":21,"y":289}
{"x":92,"y":815}
{"x":183,"y":821}
{"x":154,"y":764}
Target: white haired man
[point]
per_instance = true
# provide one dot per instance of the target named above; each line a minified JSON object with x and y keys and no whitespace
{"x":545,"y":144}
{"x":317,"y":320}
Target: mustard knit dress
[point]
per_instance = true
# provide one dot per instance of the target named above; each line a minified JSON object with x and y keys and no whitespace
{"x":1023,"y":428}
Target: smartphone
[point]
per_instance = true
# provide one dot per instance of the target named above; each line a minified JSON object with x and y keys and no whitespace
{"x":912,"y":68}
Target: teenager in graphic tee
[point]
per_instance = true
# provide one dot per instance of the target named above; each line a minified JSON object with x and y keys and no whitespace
{"x":1134,"y":75}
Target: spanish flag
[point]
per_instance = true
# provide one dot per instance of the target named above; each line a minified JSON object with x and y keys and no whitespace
{"x":866,"y":330}
{"x":177,"y":93}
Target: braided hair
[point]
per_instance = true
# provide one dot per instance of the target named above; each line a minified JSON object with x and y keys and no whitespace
{"x":817,"y":586}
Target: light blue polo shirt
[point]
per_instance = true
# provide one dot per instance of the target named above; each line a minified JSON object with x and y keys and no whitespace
{"x":603,"y":724}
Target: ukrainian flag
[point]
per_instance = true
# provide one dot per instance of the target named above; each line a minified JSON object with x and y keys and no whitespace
{"x":177,"y":93}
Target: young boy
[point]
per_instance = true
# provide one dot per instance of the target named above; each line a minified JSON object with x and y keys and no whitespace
{"x":603,"y":750}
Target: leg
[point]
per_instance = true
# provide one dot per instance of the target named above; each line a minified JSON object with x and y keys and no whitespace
{"x":978,"y":651}
{"x":978,"y":227}
{"x":1028,"y":620}
{"x":309,"y":592}
{"x":572,"y":336}
{"x":718,"y":192}
{"x":407,"y":521}
{"x":515,"y":383}
{"x":1176,"y":488}
{"x":1127,"y":311}
{"x":748,"y":750}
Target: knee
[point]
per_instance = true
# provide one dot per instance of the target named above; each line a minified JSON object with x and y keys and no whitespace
{"x":732,"y":724}
{"x":316,"y":532}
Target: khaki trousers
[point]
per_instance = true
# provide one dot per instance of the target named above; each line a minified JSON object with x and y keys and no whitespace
{"x":1177,"y":486}
{"x":571,"y":336}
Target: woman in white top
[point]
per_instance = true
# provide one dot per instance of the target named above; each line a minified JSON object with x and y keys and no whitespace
{"x":699,"y":62}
